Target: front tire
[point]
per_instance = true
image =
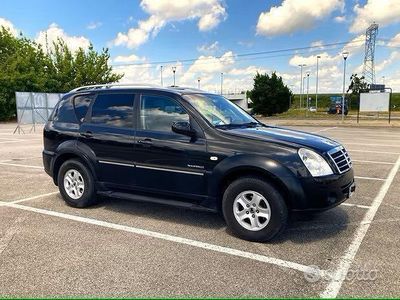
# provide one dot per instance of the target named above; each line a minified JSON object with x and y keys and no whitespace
{"x":76,"y":184}
{"x":254,"y":209}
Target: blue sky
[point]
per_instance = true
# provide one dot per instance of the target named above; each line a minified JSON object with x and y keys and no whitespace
{"x":215,"y":32}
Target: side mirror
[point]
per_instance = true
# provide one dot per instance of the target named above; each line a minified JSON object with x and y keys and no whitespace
{"x":183,"y":128}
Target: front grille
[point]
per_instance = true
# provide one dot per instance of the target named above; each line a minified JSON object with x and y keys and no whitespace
{"x":341,"y":159}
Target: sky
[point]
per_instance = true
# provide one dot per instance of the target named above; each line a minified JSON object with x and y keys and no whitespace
{"x":204,"y":38}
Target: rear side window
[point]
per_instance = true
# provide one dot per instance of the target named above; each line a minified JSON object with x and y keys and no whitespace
{"x":64,"y":112}
{"x":113,"y":110}
{"x":81,"y":104}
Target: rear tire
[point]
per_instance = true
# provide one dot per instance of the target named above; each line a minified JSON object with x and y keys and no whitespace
{"x":76,"y":184}
{"x":254,"y":209}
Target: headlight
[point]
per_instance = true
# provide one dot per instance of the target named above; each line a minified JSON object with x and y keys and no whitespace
{"x":315,"y":163}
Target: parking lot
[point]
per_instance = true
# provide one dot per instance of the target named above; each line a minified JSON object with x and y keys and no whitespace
{"x":122,"y":248}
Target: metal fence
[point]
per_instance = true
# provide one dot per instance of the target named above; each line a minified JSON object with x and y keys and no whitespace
{"x":34,"y":108}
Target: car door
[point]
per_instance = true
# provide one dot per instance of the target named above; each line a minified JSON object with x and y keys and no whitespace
{"x":108,"y":131}
{"x":167,"y":161}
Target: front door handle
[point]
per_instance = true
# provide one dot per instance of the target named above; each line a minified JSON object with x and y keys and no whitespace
{"x":87,"y":134}
{"x":147,"y":142}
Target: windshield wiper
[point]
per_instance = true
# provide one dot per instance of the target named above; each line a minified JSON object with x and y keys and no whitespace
{"x":228,"y":126}
{"x":234,"y":125}
{"x":251,"y":124}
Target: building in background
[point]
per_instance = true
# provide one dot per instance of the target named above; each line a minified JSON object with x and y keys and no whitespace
{"x":239,"y":99}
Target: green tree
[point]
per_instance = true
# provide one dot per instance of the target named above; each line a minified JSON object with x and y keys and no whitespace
{"x":357,"y":84}
{"x":269,"y":94}
{"x":25,"y":67}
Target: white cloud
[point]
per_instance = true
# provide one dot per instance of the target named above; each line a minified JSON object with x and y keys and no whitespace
{"x":317,"y":44}
{"x":209,"y":14}
{"x":393,"y":57}
{"x":209,"y":48}
{"x":212,"y":64}
{"x":294,"y":15}
{"x":54,"y":32}
{"x":395,"y":41}
{"x":94,"y":25}
{"x":340,"y":19}
{"x":8,"y":25}
{"x":383,"y":12}
{"x":128,"y":59}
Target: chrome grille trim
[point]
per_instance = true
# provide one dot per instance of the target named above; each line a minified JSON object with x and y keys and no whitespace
{"x":341,"y":159}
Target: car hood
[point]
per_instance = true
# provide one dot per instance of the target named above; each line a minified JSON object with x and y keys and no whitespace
{"x":287,"y":136}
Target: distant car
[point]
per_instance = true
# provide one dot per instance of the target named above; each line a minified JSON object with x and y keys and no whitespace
{"x":336,"y":106}
{"x":192,"y":149}
{"x":337,"y":109}
{"x":313,"y":109}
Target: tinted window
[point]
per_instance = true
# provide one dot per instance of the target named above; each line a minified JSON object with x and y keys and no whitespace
{"x":81,"y":106}
{"x":65,"y":112}
{"x":113,"y":110}
{"x":157,"y":113}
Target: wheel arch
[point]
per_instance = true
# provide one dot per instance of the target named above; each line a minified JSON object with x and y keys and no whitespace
{"x":66,"y":152}
{"x":271,"y":171}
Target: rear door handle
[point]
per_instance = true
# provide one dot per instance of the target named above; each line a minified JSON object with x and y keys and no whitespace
{"x":147,"y":142}
{"x":87,"y":134}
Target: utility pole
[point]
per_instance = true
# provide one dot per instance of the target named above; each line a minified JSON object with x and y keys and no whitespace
{"x":345,"y":55}
{"x":301,"y":82}
{"x":316,"y":85}
{"x":161,"y":77}
{"x":304,"y":88}
{"x":369,"y":56}
{"x":174,"y":70}
{"x":222,"y":81}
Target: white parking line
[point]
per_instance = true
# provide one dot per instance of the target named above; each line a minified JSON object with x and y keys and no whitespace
{"x":7,"y":142}
{"x":373,"y":162}
{"x":346,"y":260}
{"x":378,"y":145}
{"x":322,"y":130}
{"x":369,"y":178}
{"x":367,"y":151}
{"x":356,"y":205}
{"x":167,"y":237}
{"x":28,"y":199}
{"x":18,"y":165}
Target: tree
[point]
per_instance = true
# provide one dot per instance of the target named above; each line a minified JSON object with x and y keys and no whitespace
{"x":357,"y":84}
{"x":269,"y":94}
{"x":25,"y":67}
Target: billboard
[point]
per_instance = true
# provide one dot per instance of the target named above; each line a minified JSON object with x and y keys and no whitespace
{"x":35,"y":108}
{"x":374,"y":102}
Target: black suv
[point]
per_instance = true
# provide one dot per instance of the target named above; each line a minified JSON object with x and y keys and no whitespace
{"x":193,"y":149}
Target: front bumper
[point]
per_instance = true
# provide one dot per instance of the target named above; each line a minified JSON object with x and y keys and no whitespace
{"x":326,"y":192}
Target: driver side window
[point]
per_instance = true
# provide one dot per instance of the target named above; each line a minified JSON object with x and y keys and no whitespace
{"x":157,"y":113}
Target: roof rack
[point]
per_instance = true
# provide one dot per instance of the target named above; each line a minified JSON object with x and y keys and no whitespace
{"x":111,"y":85}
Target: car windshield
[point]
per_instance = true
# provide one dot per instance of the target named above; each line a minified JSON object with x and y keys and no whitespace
{"x":219,"y":111}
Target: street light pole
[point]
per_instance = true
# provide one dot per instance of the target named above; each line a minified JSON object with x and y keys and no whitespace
{"x":316,"y":85}
{"x":161,"y":77}
{"x":222,"y":81}
{"x":301,"y":82}
{"x":174,"y":70}
{"x":308,"y":87}
{"x":198,"y":83}
{"x":345,"y":55}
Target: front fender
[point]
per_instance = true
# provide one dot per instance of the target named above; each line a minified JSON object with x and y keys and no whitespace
{"x":258,"y":163}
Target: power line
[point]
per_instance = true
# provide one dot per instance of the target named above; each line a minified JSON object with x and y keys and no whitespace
{"x":242,"y":54}
{"x":150,"y":66}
